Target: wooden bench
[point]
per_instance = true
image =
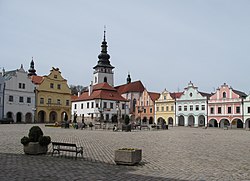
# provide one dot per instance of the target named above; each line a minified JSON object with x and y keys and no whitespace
{"x":70,"y":147}
{"x":144,"y":127}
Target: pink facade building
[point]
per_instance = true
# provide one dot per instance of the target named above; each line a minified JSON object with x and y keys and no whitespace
{"x":225,"y":108}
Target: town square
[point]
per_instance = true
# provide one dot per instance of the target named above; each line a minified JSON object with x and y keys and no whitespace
{"x":174,"y":154}
{"x":124,"y":90}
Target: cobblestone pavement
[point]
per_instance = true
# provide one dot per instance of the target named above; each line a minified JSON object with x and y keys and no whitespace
{"x":174,"y":154}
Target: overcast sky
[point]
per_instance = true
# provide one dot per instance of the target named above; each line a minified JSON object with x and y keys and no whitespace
{"x":163,"y":43}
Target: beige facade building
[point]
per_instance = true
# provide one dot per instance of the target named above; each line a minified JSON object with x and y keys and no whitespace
{"x":53,"y":97}
{"x":165,"y":107}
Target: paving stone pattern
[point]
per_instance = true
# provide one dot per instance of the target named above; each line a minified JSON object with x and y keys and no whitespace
{"x":175,"y":154}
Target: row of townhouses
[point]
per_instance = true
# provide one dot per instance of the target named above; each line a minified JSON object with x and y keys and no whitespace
{"x":225,"y":107}
{"x":27,"y":97}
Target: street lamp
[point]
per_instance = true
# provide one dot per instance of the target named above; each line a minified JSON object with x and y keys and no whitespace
{"x":118,"y":111}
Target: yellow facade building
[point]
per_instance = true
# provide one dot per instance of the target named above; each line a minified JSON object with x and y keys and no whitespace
{"x":53,"y":97}
{"x":165,"y":107}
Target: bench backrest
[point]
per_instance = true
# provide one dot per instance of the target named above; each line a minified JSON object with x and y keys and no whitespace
{"x":64,"y":144}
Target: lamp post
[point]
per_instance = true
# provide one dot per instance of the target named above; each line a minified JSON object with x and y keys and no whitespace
{"x":118,"y":111}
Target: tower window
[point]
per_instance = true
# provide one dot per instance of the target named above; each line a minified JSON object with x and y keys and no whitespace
{"x":105,"y":79}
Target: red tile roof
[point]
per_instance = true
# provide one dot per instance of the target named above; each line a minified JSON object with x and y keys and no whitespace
{"x":101,"y":91}
{"x":73,"y":97}
{"x":175,"y":95}
{"x":37,"y":79}
{"x":154,"y":96}
{"x":136,"y":86}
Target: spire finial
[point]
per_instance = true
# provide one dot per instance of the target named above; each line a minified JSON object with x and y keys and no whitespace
{"x":104,"y":39}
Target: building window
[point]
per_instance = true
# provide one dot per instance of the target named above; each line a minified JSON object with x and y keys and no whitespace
{"x":67,"y":102}
{"x":238,"y":109}
{"x":58,"y":101}
{"x":166,"y":108}
{"x":211,"y":110}
{"x":11,"y":98}
{"x":28,"y":100}
{"x":165,"y":98}
{"x":41,"y":100}
{"x":58,"y":86}
{"x":92,"y":104}
{"x":145,"y":111}
{"x":219,"y":110}
{"x":123,"y":106}
{"x":104,"y":104}
{"x":87,"y":104}
{"x":134,"y":104}
{"x":20,"y":99}
{"x":224,"y":95}
{"x":49,"y":100}
{"x":185,"y":108}
{"x":162,"y":108}
{"x":203,"y":107}
{"x":21,"y":86}
{"x":75,"y":106}
{"x":82,"y":106}
{"x":248,"y":109}
{"x":96,"y":105}
{"x":51,"y":85}
{"x":157,"y":109}
{"x":147,"y":103}
{"x":197,"y":107}
{"x":229,"y":110}
{"x":172,"y":108}
{"x":55,"y":76}
{"x":191,"y":107}
{"x":111,"y":105}
{"x":179,"y":108}
{"x":151,"y":110}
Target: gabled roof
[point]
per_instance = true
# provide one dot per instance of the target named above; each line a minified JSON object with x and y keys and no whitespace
{"x":37,"y":79}
{"x":103,"y":86}
{"x":136,"y":86}
{"x":154,"y":96}
{"x":204,"y":94}
{"x":176,"y":95}
{"x":240,"y":93}
{"x":101,"y":91}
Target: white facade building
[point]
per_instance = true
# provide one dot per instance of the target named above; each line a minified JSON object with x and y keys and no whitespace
{"x":1,"y":96}
{"x":102,"y":102}
{"x":246,"y":112}
{"x":19,"y":96}
{"x":191,"y":107}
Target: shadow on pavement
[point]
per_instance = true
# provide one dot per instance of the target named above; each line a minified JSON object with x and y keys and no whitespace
{"x":46,"y":167}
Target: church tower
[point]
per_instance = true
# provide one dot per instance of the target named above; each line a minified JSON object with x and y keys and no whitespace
{"x":32,"y":70}
{"x":103,"y":70}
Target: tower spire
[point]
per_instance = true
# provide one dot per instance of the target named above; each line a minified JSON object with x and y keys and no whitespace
{"x":104,"y":37}
{"x":32,"y":70}
{"x":128,"y":78}
{"x":104,"y":56}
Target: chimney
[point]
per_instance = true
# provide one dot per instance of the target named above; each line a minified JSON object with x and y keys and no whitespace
{"x":78,"y":94}
{"x":90,"y":88}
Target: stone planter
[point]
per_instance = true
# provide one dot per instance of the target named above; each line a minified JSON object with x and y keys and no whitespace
{"x":34,"y":148}
{"x":128,"y":156}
